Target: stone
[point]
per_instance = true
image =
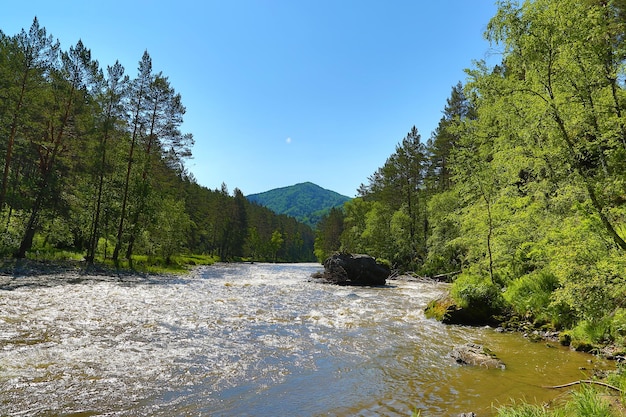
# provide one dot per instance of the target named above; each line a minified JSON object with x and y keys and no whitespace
{"x":350,"y":269}
{"x":476,"y":355}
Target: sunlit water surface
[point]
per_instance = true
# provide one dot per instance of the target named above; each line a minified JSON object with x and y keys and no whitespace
{"x":256,"y":340}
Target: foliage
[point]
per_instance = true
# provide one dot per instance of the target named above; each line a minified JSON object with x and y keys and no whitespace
{"x":528,"y":410}
{"x":479,"y":295}
{"x":531,"y":296}
{"x":438,"y":309}
{"x":446,"y":251}
{"x":328,"y":233}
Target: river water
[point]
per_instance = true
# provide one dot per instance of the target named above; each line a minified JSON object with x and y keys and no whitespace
{"x":255,"y":340}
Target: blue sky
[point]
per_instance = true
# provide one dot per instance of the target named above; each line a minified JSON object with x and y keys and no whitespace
{"x":281,"y":92}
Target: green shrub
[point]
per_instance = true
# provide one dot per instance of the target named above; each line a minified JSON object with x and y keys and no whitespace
{"x":472,"y":291}
{"x":479,"y":299}
{"x":617,"y":378}
{"x":588,"y":334}
{"x":530,"y":296}
{"x":618,"y":327}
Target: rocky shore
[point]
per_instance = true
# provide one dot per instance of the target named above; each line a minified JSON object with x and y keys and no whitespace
{"x":16,"y":273}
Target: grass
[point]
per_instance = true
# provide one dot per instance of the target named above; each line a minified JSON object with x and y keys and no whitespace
{"x":54,"y":261}
{"x":157,"y":265}
{"x":585,"y":401}
{"x":439,"y":309}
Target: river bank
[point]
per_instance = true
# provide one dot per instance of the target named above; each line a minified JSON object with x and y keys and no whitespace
{"x":141,"y":266}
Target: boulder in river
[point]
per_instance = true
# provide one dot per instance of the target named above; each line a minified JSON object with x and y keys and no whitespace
{"x":476,"y":355}
{"x":349,"y":269}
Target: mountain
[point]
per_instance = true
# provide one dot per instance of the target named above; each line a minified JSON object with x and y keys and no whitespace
{"x":306,"y":202}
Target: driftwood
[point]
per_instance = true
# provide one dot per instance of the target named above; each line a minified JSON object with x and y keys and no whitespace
{"x":585,"y":381}
{"x":445,"y":277}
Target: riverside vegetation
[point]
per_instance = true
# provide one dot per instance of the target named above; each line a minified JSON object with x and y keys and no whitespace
{"x":519,"y":194}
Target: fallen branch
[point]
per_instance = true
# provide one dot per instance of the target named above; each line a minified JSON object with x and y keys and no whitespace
{"x":445,"y":277}
{"x":584,"y":381}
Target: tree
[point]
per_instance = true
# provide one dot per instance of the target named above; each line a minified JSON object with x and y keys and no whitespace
{"x":111,"y":97}
{"x":137,"y":95}
{"x":163,"y":117}
{"x":276,"y":242}
{"x":443,"y":140}
{"x":567,"y":77}
{"x":172,"y":226}
{"x":328,"y":234}
{"x":399,"y":186}
{"x":27,"y":60}
{"x":73,"y":79}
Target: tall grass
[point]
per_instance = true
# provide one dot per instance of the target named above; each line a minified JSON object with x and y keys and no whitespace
{"x":527,"y":410}
{"x":586,"y":401}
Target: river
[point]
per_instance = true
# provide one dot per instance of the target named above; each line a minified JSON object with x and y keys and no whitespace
{"x":251,"y":339}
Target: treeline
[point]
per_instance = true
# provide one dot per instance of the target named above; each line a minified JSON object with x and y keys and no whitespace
{"x":522,"y":186}
{"x":93,"y":160}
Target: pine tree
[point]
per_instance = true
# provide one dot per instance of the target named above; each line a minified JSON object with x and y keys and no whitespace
{"x":112,"y":96}
{"x":137,"y":95}
{"x":26,"y":61}
{"x":73,"y":79}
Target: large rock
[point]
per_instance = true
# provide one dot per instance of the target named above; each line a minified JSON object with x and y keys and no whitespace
{"x":348,"y":269}
{"x":476,"y":355}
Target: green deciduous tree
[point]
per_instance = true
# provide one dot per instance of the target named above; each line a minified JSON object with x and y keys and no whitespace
{"x":564,"y":62}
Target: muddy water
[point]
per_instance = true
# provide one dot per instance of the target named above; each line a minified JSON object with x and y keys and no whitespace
{"x":257,"y":340}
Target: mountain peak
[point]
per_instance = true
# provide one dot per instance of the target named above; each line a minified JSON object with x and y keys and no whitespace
{"x":307,"y":202}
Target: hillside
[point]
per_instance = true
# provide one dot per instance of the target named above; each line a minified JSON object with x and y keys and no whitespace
{"x":306,"y":202}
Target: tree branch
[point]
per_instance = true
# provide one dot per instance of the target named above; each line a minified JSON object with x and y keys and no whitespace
{"x":584,"y":381}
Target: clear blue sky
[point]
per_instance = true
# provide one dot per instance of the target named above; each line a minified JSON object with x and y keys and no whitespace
{"x":280,"y":92}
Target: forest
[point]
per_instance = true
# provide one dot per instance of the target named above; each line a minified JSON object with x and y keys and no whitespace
{"x":93,"y":162}
{"x":520,"y":192}
{"x":307,"y":202}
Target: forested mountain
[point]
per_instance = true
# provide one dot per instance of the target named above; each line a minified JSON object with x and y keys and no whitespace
{"x":306,"y":202}
{"x":93,"y":161}
{"x":521,"y":189}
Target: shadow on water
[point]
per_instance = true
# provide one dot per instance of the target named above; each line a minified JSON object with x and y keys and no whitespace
{"x":29,"y":274}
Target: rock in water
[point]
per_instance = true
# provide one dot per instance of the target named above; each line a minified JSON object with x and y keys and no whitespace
{"x":348,"y":269}
{"x":476,"y":355}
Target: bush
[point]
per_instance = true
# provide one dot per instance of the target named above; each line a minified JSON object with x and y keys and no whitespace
{"x":618,"y":327}
{"x":439,"y":309}
{"x":588,"y":334}
{"x":530,"y":296}
{"x":472,"y":291}
{"x":479,"y":298}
